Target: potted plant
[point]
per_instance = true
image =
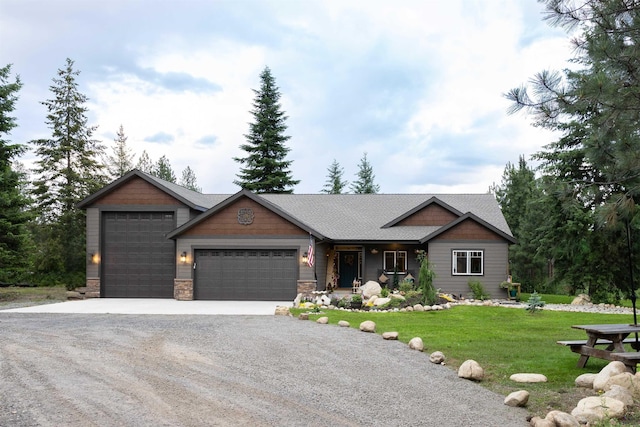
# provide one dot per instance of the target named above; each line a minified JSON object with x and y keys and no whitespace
{"x":512,"y":290}
{"x":356,"y":301}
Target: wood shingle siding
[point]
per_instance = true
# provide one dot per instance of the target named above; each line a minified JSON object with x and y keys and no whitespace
{"x":225,"y":222}
{"x":469,"y":230}
{"x":137,"y":192}
{"x":430,"y":215}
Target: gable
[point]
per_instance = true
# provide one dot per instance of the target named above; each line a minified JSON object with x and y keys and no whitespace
{"x":469,"y":230}
{"x":226,"y":222}
{"x":137,"y":191}
{"x":430,"y":215}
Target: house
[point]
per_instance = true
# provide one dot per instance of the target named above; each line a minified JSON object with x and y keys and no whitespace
{"x":148,"y":238}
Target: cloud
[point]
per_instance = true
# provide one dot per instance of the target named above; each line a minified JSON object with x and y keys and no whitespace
{"x":161,"y":138}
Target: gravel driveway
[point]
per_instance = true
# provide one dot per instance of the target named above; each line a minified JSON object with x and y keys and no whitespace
{"x":164,"y":370}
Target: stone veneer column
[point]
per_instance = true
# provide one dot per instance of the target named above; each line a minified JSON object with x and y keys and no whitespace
{"x":93,"y":288}
{"x":305,"y":287}
{"x":183,"y":289}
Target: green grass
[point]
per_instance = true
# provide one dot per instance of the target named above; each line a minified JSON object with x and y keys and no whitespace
{"x":504,"y":341}
{"x":14,"y":294}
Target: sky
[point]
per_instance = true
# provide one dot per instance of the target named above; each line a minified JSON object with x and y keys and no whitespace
{"x":416,"y":85}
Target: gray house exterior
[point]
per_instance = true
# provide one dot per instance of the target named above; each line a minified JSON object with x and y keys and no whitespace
{"x":149,"y":238}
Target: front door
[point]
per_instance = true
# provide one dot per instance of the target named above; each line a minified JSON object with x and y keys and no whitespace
{"x":348,"y":268}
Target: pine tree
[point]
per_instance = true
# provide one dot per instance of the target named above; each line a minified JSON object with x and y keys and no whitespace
{"x":163,"y":170}
{"x":334,"y":183}
{"x":265,"y":168}
{"x":14,"y":236}
{"x":144,"y":163}
{"x":365,"y":183}
{"x":189,"y":180}
{"x":68,"y":171}
{"x":121,"y":161}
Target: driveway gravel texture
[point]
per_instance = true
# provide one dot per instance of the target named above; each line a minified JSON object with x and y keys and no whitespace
{"x":195,"y":370}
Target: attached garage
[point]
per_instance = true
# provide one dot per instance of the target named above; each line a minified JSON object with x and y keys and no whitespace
{"x":137,"y":258}
{"x":246,"y":274}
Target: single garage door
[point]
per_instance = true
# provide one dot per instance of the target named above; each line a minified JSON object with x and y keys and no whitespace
{"x":138,"y":261}
{"x":245,"y":275}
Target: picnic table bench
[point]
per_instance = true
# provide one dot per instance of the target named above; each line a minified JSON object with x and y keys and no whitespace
{"x":613,"y":337}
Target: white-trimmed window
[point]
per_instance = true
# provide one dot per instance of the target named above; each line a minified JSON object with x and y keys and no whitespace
{"x":468,"y":263}
{"x":393,"y":259}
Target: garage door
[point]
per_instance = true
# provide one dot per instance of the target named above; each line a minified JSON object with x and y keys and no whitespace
{"x":245,"y":275}
{"x":138,"y":261}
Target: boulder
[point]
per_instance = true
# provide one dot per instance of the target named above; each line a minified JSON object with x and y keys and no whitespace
{"x":282,"y":311}
{"x":324,"y":300}
{"x":627,"y":380}
{"x":437,"y":357}
{"x":416,"y":344}
{"x":541,"y":422}
{"x":585,"y":380}
{"x":390,"y":335}
{"x":418,"y":307}
{"x":323,"y":320}
{"x":562,"y":419}
{"x":409,"y":308}
{"x":368,"y":326}
{"x":517,"y":398}
{"x":381,"y":301}
{"x":528,"y":378}
{"x":597,"y":408}
{"x":620,"y":393}
{"x":582,"y":299}
{"x":397,"y":296}
{"x":303,"y":316}
{"x":370,"y":289}
{"x":344,"y":323}
{"x":373,"y":298}
{"x":612,"y":369}
{"x":471,"y":370}
{"x":296,"y":301}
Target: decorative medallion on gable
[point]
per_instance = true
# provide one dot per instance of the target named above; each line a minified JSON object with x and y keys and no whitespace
{"x":245,"y":216}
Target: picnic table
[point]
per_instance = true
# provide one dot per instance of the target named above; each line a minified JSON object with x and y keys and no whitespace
{"x":613,"y":337}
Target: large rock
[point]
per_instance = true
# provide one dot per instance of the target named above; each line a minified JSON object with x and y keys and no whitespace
{"x":368,"y":326}
{"x":612,"y":369}
{"x":541,"y":422}
{"x":381,"y":301}
{"x":344,"y":323}
{"x":370,"y":289}
{"x":323,"y":320}
{"x":528,"y":378}
{"x":282,"y":310}
{"x":418,"y":307}
{"x":627,"y":380}
{"x":597,"y":408}
{"x":390,"y":335}
{"x":562,"y":419}
{"x":437,"y":357}
{"x":585,"y":380}
{"x":582,"y":299}
{"x":416,"y":344}
{"x":471,"y":370}
{"x":620,"y":393}
{"x":517,"y":398}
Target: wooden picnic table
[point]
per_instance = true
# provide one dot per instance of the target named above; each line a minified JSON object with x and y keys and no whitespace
{"x":613,"y":336}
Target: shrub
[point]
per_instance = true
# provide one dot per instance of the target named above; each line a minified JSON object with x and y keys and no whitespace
{"x":412,"y":298}
{"x":394,"y":303}
{"x":384,"y":292}
{"x":477,"y":290}
{"x":406,"y":286}
{"x":356,"y":298}
{"x":535,"y":303}
{"x":425,"y":282}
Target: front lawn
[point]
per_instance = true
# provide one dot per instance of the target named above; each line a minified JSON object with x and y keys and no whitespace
{"x":504,"y":341}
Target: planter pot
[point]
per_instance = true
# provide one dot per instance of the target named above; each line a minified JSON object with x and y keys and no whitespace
{"x":356,"y":305}
{"x":513,"y":293}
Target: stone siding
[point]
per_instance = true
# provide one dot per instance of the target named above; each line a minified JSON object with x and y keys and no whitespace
{"x":93,"y":288}
{"x":305,"y":287}
{"x":183,"y":289}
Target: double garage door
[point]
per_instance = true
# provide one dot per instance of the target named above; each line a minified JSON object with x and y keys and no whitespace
{"x":245,"y":275}
{"x":138,"y":261}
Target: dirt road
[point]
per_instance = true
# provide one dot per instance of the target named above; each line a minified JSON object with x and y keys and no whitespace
{"x":147,"y":370}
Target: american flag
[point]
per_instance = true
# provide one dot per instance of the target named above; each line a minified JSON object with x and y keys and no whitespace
{"x":310,"y":254}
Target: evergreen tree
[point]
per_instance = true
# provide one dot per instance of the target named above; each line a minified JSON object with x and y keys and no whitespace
{"x":334,"y":183}
{"x":14,"y":236}
{"x":592,"y":170}
{"x":121,"y":161}
{"x":68,"y":171}
{"x":163,"y":170}
{"x":189,"y":180}
{"x":144,"y":163}
{"x":365,"y":183}
{"x":265,"y":168}
{"x":518,"y":195}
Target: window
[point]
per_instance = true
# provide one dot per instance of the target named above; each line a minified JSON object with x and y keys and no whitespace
{"x":468,"y":263}
{"x":393,"y":259}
